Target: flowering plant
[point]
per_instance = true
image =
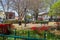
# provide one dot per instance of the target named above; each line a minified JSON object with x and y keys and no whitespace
{"x":5,"y":28}
{"x":40,"y":30}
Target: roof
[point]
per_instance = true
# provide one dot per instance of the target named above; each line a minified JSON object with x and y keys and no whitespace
{"x":43,"y":13}
{"x":6,"y":12}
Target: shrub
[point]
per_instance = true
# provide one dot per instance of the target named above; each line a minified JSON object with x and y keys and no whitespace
{"x":13,"y":21}
{"x":10,"y":21}
{"x":42,"y":22}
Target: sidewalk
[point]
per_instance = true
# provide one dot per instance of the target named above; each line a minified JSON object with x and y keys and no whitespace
{"x":17,"y":26}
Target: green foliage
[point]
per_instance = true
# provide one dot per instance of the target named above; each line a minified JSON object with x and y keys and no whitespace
{"x":32,"y":33}
{"x":28,"y":16}
{"x":41,"y":22}
{"x":55,"y":9}
{"x":16,"y":21}
{"x":58,"y":36}
{"x":1,"y":38}
{"x":11,"y":21}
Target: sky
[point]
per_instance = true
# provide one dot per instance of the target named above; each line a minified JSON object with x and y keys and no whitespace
{"x":2,"y":8}
{"x":16,"y":12}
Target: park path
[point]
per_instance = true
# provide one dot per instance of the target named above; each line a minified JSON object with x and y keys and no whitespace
{"x":28,"y":26}
{"x":17,"y":26}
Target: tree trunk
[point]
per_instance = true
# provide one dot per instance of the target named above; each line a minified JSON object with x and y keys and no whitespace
{"x":25,"y":16}
{"x":36,"y":14}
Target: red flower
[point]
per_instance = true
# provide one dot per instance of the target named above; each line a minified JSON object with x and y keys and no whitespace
{"x":4,"y":27}
{"x":44,"y":28}
{"x":33,"y":28}
{"x":40,"y":28}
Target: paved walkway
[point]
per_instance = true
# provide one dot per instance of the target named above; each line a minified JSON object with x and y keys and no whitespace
{"x":17,"y":26}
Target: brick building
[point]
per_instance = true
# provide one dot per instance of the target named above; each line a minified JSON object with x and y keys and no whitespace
{"x":10,"y":15}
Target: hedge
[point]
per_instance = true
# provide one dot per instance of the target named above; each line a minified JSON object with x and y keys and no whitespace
{"x":16,"y":21}
{"x":42,"y":22}
{"x":12,"y":21}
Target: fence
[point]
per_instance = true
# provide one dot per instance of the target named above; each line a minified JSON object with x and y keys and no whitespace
{"x":21,"y":37}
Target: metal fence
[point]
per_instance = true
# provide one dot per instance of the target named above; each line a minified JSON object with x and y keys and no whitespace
{"x":16,"y":37}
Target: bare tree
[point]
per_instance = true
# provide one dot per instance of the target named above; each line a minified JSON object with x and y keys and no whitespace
{"x":2,"y":5}
{"x":21,"y":6}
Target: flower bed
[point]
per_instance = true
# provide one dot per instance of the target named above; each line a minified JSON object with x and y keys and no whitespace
{"x":34,"y":32}
{"x":5,"y":28}
{"x":40,"y":30}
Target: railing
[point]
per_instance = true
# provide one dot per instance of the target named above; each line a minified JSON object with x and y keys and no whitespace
{"x":22,"y":37}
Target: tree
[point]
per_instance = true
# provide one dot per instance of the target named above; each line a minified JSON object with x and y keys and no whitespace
{"x":55,"y":9}
{"x":34,"y":5}
{"x":2,"y":5}
{"x":6,"y":5}
{"x":21,"y":6}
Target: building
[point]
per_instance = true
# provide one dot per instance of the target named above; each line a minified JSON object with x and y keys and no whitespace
{"x":43,"y":16}
{"x":2,"y":16}
{"x":10,"y":15}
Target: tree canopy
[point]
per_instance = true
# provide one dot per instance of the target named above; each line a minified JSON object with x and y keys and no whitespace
{"x":55,"y":9}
